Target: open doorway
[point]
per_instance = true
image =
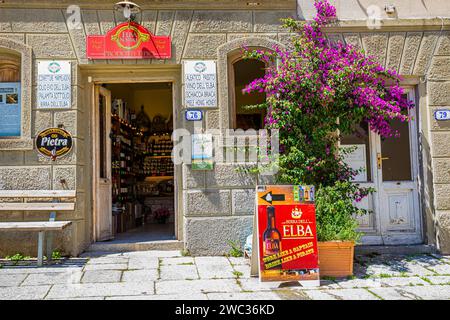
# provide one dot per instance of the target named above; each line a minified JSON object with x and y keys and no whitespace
{"x":135,"y":124}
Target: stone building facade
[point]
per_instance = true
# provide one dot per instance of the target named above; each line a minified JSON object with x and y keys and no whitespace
{"x":214,"y":206}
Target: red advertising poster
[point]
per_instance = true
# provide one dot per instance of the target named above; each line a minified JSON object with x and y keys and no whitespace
{"x":128,"y":40}
{"x":287,"y":236}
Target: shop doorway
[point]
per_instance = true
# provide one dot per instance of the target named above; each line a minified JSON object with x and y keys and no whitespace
{"x":134,"y":175}
{"x":391,"y":168}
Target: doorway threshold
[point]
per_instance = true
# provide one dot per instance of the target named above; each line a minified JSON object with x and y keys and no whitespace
{"x":147,"y":237}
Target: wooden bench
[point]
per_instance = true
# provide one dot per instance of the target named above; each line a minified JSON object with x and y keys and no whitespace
{"x":39,"y":226}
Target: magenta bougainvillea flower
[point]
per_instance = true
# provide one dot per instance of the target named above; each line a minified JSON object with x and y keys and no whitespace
{"x":316,"y":90}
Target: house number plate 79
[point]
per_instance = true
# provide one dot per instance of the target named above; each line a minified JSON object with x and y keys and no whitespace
{"x":442,"y":115}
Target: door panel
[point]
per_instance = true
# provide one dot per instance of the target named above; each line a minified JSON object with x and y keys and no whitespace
{"x":102,"y":165}
{"x":392,"y":169}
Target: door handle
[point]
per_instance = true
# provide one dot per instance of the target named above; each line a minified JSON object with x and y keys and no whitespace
{"x":380,"y":160}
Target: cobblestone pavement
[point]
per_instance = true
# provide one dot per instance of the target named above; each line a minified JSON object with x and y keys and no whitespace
{"x":168,"y":275}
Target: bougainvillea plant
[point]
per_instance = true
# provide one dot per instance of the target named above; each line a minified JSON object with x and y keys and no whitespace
{"x":319,"y":90}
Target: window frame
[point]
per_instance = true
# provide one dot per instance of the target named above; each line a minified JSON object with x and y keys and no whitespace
{"x":25,"y":140}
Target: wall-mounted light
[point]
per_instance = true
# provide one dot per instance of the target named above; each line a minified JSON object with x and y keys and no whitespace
{"x":389,"y":8}
{"x":128,"y":8}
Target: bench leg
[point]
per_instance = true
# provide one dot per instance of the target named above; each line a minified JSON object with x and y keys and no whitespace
{"x":40,"y":257}
{"x":49,"y":246}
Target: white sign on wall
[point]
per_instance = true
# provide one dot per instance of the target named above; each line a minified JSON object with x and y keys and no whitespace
{"x":200,"y":84}
{"x":54,"y":85}
{"x":357,"y":160}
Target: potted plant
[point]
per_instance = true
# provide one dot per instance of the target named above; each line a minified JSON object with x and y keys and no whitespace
{"x":317,"y":92}
{"x":337,"y":228}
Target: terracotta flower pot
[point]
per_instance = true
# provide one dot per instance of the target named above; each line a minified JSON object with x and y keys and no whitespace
{"x":336,"y":258}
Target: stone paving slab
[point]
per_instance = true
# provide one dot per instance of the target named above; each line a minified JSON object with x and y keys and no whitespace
{"x":441,"y":269}
{"x":23,"y":293}
{"x":11,"y":280}
{"x":39,"y":279}
{"x":101,"y":276}
{"x":177,"y":261}
{"x":162,"y":275}
{"x":244,"y":296}
{"x":439,"y":279}
{"x":140,"y":275}
{"x":214,"y":267}
{"x":197,"y":286}
{"x":392,"y":294}
{"x":141,"y":262}
{"x":100,"y":289}
{"x":178,"y":272}
{"x":192,"y":297}
{"x":350,"y":294}
{"x":239,"y":261}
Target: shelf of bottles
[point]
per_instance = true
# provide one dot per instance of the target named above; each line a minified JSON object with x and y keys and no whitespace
{"x":122,"y":160}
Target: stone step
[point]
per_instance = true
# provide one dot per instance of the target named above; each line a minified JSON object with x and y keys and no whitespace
{"x":164,"y":245}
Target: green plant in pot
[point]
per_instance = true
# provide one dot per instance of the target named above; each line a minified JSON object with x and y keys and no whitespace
{"x":317,"y":92}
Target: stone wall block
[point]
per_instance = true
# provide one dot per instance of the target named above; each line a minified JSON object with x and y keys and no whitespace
{"x":440,"y":144}
{"x":35,"y":20}
{"x":375,"y":44}
{"x":229,"y":175}
{"x":149,"y":20}
{"x":443,"y":234}
{"x":11,"y":157}
{"x":354,"y":39}
{"x":439,"y":93}
{"x":25,"y":178}
{"x":164,"y":23}
{"x":68,"y":119}
{"x":67,"y":173}
{"x":286,"y":39}
{"x":425,"y":52}
{"x":78,"y":38}
{"x":412,"y":43}
{"x":208,"y":203}
{"x":395,"y":49}
{"x":222,"y":21}
{"x":51,"y":46}
{"x":443,"y":48}
{"x":90,"y":20}
{"x":179,"y":33}
{"x":234,"y":36}
{"x":212,"y":119}
{"x":441,"y":194}
{"x":243,"y":201}
{"x":270,"y":21}
{"x":203,"y":45}
{"x":41,"y":121}
{"x":106,"y":19}
{"x":193,"y":179}
{"x":208,"y":237}
{"x":18,"y":37}
{"x":441,"y":171}
{"x":440,"y":68}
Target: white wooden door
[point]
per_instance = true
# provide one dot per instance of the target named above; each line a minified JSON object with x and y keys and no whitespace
{"x":397,"y":166}
{"x":392,"y":169}
{"x":102,"y":165}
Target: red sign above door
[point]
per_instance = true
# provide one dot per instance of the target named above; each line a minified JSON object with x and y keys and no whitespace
{"x":128,"y":40}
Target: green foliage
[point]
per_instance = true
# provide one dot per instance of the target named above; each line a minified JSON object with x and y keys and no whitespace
{"x":185,"y":253}
{"x":237,"y":274}
{"x":336,"y":212}
{"x":235,"y":250}
{"x":16,"y":257}
{"x":56,"y":255}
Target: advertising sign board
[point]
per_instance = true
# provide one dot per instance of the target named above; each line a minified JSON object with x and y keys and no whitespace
{"x":54,"y":85}
{"x":10,"y":115}
{"x":287,"y":237}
